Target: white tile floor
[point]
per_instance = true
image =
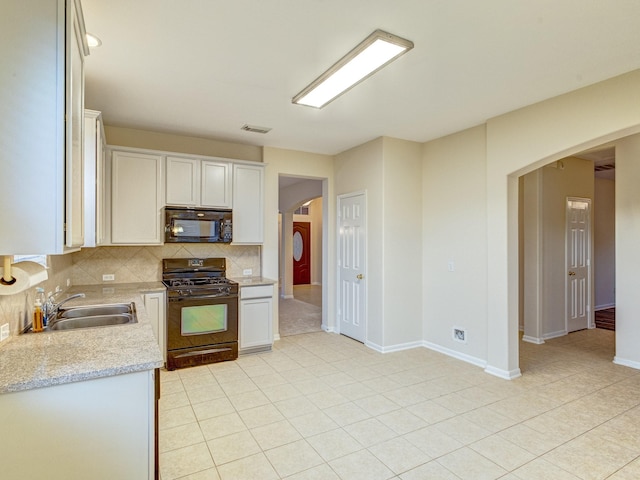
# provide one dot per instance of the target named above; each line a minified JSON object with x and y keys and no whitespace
{"x":321,"y":406}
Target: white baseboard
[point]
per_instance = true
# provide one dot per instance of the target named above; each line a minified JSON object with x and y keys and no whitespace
{"x":393,"y":348}
{"x":504,"y":374}
{"x":604,"y":307}
{"x":276,"y":337}
{"x":534,"y":340}
{"x":328,"y":329}
{"x":455,"y":354}
{"x":286,"y":297}
{"x":626,"y":363}
{"x":559,"y":333}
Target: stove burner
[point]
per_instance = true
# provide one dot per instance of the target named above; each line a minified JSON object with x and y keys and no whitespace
{"x":197,"y":277}
{"x":196,"y":282}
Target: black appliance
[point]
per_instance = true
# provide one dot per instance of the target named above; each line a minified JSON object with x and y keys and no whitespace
{"x":197,"y":225}
{"x":202,"y":312}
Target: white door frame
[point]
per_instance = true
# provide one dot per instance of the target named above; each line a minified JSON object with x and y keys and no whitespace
{"x":339,"y":306}
{"x":589,"y":261}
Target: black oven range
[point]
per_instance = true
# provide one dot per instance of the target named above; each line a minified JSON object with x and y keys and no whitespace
{"x":202,"y":312}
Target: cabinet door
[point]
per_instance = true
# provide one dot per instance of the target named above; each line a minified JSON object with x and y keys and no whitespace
{"x":154,"y":303}
{"x":93,"y":179}
{"x":74,"y":205}
{"x":248,"y":204}
{"x":216,"y":184}
{"x":255,"y":323}
{"x":182,"y":181}
{"x":76,"y":430}
{"x":136,"y":198}
{"x":102,"y":185}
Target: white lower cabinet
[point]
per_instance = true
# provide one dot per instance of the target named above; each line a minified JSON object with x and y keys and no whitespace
{"x":256,"y":318}
{"x":155,"y":305}
{"x":99,"y":429}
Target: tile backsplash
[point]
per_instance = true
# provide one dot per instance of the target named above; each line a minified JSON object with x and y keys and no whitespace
{"x":126,"y":264}
{"x":144,"y":264}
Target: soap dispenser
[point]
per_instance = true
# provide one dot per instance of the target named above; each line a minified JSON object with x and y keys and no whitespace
{"x":38,"y":316}
{"x":40,"y":296}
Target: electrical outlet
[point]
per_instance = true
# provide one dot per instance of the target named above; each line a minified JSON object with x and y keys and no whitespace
{"x":108,"y":277}
{"x":247,"y":271}
{"x":4,"y":332}
{"x":460,"y":335}
{"x":68,"y":282}
{"x":451,"y":266}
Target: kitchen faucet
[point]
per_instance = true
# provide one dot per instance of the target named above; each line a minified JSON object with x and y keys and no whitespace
{"x":51,"y":309}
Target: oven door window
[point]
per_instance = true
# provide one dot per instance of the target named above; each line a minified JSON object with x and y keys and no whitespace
{"x":203,"y":319}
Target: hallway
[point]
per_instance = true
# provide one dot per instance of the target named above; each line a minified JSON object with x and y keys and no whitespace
{"x":303,"y":313}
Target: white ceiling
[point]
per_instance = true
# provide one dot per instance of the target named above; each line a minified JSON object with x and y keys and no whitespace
{"x":206,"y":67}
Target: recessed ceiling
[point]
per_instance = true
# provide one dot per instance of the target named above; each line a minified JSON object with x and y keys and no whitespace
{"x":206,"y":68}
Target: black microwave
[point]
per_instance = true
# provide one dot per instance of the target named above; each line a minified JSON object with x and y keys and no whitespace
{"x":197,"y":225}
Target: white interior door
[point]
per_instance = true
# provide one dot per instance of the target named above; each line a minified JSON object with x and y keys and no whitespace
{"x":351,"y":266}
{"x":578,"y":263}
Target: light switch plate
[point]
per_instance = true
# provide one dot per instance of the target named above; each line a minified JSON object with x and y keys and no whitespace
{"x":247,"y":271}
{"x":108,"y":277}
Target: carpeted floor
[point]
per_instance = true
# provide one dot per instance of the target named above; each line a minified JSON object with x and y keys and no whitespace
{"x":606,"y":319}
{"x":302,"y":314}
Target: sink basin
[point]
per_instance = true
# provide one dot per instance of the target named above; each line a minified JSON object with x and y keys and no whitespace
{"x":93,"y":321}
{"x":92,"y":310}
{"x":89,"y":316}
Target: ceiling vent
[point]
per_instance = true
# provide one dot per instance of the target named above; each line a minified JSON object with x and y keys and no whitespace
{"x":601,"y":168}
{"x":255,"y":129}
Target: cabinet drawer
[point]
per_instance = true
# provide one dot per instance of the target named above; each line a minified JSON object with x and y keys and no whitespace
{"x":259,"y":291}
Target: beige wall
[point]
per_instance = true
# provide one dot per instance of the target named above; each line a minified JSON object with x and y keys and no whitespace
{"x":454,"y":230}
{"x":389,"y":172}
{"x":627,"y":251}
{"x":131,"y":137}
{"x":361,"y":170}
{"x":604,"y":241}
{"x":402,"y":237}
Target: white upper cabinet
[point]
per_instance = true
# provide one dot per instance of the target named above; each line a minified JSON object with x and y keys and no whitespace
{"x":136,"y":198}
{"x":41,"y":60}
{"x":183,"y":181}
{"x":94,"y":179}
{"x":76,"y":49}
{"x":194,"y":182}
{"x":216,"y":184}
{"x":248,"y":204}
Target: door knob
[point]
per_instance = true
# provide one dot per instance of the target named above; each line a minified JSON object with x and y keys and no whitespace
{"x":359,"y":276}
{"x":571,"y":274}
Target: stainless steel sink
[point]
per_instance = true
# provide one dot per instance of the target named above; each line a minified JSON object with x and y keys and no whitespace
{"x":88,"y":316}
{"x":92,"y":310}
{"x":93,"y":321}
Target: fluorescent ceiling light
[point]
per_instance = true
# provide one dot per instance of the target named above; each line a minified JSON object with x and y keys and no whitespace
{"x":373,"y":53}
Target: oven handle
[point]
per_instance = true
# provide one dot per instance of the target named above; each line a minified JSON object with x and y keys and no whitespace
{"x":200,"y":297}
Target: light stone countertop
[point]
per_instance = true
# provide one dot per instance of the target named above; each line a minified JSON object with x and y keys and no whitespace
{"x":35,"y":360}
{"x":253,"y":281}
